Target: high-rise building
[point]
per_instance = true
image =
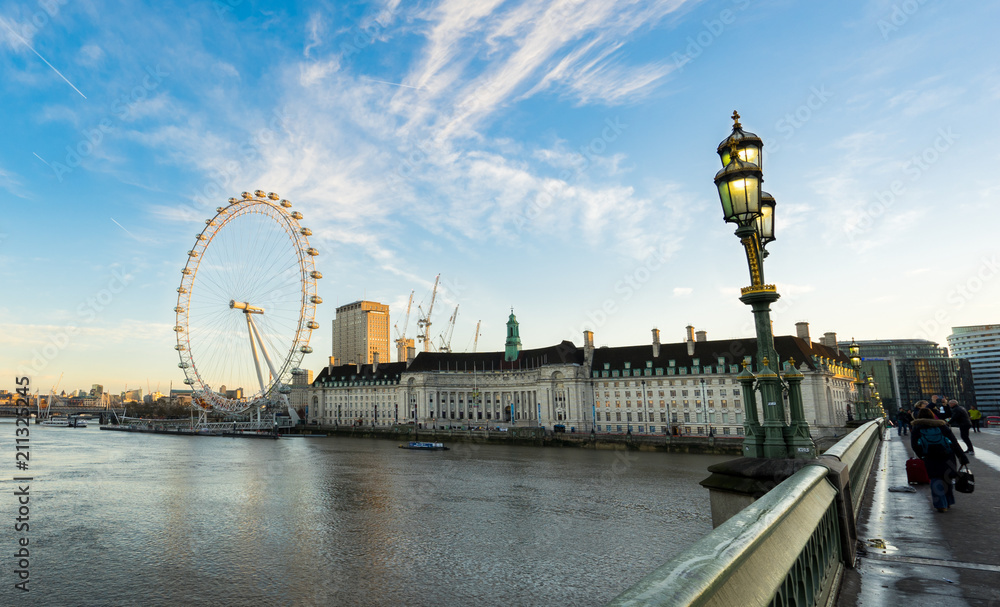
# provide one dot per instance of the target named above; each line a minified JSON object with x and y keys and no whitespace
{"x":980,"y":344}
{"x":360,"y":331}
{"x":910,"y":370}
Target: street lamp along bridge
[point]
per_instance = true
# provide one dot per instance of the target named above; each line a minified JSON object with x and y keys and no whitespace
{"x":752,"y":210}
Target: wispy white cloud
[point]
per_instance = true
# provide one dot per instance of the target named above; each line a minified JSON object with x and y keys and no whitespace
{"x":315,"y":28}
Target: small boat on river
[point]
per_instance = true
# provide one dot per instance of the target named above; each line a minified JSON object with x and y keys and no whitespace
{"x":424,"y":446}
{"x":58,"y":422}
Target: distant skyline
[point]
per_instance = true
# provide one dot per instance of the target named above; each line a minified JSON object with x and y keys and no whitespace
{"x":554,"y":157}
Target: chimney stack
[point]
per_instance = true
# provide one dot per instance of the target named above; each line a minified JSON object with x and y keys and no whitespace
{"x":374,"y":362}
{"x":802,"y":330}
{"x":656,"y":343}
{"x":689,"y":339}
{"x":701,"y":336}
{"x":830,"y":340}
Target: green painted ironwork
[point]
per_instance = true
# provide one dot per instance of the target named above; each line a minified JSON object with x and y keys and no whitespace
{"x":783,"y":550}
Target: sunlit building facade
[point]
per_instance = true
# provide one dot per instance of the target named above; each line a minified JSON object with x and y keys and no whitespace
{"x":360,"y":331}
{"x":685,"y":388}
{"x":980,"y":345}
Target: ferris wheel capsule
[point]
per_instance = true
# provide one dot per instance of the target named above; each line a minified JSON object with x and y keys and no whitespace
{"x":297,"y":215}
{"x":306,"y":232}
{"x":273,"y":196}
{"x":285,"y":203}
{"x":317,"y":275}
{"x":260,"y":193}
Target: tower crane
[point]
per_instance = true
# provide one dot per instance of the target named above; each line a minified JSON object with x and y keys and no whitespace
{"x":401,"y":335}
{"x":424,"y":322}
{"x":445,"y":336}
{"x":475,"y":341}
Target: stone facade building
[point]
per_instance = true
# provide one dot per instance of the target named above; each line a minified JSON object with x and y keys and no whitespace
{"x":686,"y":388}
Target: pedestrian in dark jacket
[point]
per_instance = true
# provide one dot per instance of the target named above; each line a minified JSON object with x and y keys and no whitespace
{"x":903,"y":418}
{"x":933,"y":441}
{"x":960,"y":418}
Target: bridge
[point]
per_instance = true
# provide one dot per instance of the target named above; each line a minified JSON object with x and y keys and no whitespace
{"x":833,"y":534}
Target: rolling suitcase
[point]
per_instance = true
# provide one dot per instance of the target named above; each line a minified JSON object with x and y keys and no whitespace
{"x":916,"y":472}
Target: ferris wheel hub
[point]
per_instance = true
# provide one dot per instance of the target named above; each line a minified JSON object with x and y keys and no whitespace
{"x":247,"y":308}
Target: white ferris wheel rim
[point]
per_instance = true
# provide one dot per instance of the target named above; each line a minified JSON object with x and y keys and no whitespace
{"x":293,"y":315}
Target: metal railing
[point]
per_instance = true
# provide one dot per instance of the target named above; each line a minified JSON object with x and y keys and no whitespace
{"x":787,"y":548}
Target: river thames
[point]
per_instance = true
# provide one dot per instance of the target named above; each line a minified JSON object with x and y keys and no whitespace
{"x":126,"y":519}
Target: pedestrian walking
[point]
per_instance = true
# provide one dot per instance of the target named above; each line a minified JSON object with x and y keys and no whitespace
{"x":976,"y":416}
{"x":923,"y":404}
{"x":933,"y":442}
{"x":960,"y":418}
{"x":903,"y":420}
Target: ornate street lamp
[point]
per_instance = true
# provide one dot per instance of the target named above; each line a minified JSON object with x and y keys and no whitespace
{"x":752,"y":210}
{"x":859,"y":382}
{"x":870,"y":403}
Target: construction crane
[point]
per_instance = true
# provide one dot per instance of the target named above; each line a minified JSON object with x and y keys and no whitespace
{"x":401,"y":335}
{"x":445,"y":336}
{"x":424,"y":322}
{"x":475,"y":340}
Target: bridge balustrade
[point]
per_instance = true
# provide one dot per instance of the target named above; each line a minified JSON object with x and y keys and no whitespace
{"x":788,"y":548}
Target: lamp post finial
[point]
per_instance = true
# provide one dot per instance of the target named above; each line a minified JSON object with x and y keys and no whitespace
{"x":736,"y":120}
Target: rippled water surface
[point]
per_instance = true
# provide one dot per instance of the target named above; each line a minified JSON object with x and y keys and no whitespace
{"x":122,"y":519}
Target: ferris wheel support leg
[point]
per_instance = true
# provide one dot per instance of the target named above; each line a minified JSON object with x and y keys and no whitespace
{"x":254,"y":333}
{"x":292,"y":414}
{"x":253,"y":348}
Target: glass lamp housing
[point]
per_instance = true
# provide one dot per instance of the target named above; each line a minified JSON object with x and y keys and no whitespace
{"x":748,"y":147}
{"x":739,"y":191}
{"x":765,"y":222}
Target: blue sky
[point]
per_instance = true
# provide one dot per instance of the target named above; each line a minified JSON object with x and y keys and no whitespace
{"x":553,"y":157}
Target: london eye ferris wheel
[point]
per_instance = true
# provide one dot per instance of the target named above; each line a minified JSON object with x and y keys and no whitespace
{"x":246,"y":305}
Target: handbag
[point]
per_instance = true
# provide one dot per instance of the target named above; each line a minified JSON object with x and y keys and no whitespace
{"x":965,"y":481}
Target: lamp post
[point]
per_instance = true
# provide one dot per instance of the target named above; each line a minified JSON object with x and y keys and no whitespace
{"x":752,"y":210}
{"x":859,"y":381}
{"x":643,"y":408}
{"x":870,"y":402}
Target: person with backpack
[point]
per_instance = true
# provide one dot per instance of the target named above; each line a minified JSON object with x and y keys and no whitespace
{"x":933,"y":442}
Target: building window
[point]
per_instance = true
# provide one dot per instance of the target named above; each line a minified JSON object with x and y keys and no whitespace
{"x":618,"y":416}
{"x":628,"y":417}
{"x":687,"y":417}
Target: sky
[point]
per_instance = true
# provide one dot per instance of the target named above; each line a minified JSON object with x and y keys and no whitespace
{"x":554,"y":158}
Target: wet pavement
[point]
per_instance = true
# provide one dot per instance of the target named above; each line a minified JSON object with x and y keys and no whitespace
{"x":916,"y":556}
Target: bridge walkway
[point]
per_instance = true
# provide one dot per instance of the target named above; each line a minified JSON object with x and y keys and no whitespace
{"x":929,"y":558}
